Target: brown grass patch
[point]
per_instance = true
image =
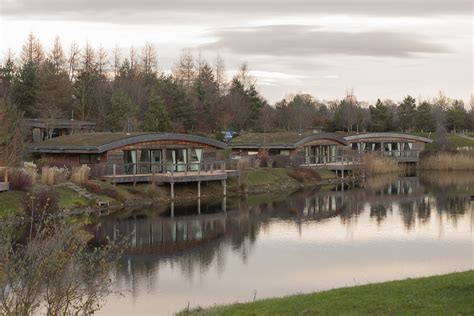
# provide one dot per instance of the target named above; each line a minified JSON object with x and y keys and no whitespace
{"x":376,"y":164}
{"x":448,"y":161}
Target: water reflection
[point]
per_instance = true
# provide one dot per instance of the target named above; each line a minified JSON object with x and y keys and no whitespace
{"x":208,"y":254}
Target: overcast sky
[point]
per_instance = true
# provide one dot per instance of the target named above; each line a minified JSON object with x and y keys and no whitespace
{"x":385,"y":49}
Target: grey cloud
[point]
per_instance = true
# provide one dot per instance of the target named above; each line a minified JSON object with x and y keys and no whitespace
{"x":128,"y":11}
{"x":306,"y":41}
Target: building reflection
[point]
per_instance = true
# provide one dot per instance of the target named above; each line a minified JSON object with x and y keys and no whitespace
{"x":191,"y":238}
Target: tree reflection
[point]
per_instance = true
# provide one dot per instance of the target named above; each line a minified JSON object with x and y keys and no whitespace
{"x":193,"y":242}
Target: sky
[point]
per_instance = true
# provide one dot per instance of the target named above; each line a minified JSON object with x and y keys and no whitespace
{"x":379,"y":49}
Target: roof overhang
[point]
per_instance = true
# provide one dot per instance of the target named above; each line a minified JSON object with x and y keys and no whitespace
{"x":361,"y":137}
{"x":298,"y":143}
{"x":128,"y":140}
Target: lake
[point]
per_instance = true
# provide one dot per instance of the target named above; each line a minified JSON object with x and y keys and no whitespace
{"x":238,"y":250}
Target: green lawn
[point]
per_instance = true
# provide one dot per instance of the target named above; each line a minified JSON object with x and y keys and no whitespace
{"x":11,"y":203}
{"x":455,"y":140}
{"x":451,"y":294}
{"x":68,"y":198}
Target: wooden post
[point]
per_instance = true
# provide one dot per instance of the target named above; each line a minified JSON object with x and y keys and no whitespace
{"x":172,"y":209}
{"x":172,"y":190}
{"x":224,"y":204}
{"x":199,"y":189}
{"x":224,"y":187}
{"x":199,"y":206}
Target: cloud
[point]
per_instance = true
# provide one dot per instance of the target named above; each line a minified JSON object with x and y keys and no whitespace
{"x":153,"y":11}
{"x":307,"y":41}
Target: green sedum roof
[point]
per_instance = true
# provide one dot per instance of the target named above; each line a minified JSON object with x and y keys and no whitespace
{"x":280,"y":139}
{"x":101,"y":142}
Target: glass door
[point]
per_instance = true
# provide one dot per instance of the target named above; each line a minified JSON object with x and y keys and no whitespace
{"x":157,"y":161}
{"x":130,"y":161}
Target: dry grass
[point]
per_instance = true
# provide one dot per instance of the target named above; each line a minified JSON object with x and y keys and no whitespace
{"x":448,"y":161}
{"x":54,"y":175}
{"x":31,"y":170}
{"x":376,"y":165}
{"x":80,"y":175}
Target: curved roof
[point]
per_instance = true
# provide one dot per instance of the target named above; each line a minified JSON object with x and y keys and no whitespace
{"x":102,"y":142}
{"x":387,"y":135}
{"x":282,"y":140}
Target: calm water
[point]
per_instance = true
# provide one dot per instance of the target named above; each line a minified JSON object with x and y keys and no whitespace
{"x":265,"y":246}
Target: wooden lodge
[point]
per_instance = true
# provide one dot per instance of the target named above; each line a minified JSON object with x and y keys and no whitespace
{"x":291,"y":148}
{"x":402,"y":147}
{"x":44,"y":128}
{"x":139,"y":157}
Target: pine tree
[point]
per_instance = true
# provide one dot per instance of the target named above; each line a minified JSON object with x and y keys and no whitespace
{"x":156,"y":118}
{"x":406,"y":113}
{"x":25,"y":88}
{"x":122,"y":112}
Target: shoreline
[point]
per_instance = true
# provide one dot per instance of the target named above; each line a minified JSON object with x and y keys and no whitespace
{"x":116,"y":198}
{"x":447,"y":294}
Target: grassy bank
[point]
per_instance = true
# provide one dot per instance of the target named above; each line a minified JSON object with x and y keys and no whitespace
{"x":451,"y":294}
{"x":256,"y":181}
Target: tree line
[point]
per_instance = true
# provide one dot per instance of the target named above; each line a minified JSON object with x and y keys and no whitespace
{"x":129,"y":93}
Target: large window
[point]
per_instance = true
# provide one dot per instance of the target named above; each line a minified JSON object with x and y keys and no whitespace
{"x":88,"y":159}
{"x":130,"y":160}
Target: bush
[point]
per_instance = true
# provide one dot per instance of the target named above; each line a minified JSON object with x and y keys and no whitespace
{"x":41,"y":202}
{"x":93,"y":187}
{"x":19,"y":180}
{"x":113,"y":194}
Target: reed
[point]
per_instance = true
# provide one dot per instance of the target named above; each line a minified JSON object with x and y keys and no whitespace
{"x":80,"y":175}
{"x":448,"y":161}
{"x":54,"y":175}
{"x":377,"y":165}
{"x":31,"y":170}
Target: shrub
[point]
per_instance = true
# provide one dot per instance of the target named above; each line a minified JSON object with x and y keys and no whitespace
{"x":41,"y":202}
{"x":93,"y":187}
{"x":19,"y":180}
{"x":54,"y":175}
{"x":80,"y":175}
{"x":113,"y":194}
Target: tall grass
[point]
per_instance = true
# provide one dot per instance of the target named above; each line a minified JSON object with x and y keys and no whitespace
{"x":31,"y":170}
{"x":376,"y":164}
{"x":448,"y":161}
{"x":54,"y":175}
{"x":80,"y":175}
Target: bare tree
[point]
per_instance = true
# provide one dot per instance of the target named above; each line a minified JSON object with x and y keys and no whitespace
{"x":32,"y":51}
{"x":219,"y":71}
{"x":56,"y":56}
{"x":184,"y":70}
{"x":149,"y":60}
{"x":73,"y":60}
{"x":53,"y":272}
{"x":117,"y":61}
{"x":102,"y":62}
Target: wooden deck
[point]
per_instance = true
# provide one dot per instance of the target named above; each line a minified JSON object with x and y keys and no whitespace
{"x":4,"y":186}
{"x":175,"y":177}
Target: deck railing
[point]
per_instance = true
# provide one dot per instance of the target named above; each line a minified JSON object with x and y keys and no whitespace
{"x":323,"y":160}
{"x":140,"y":168}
